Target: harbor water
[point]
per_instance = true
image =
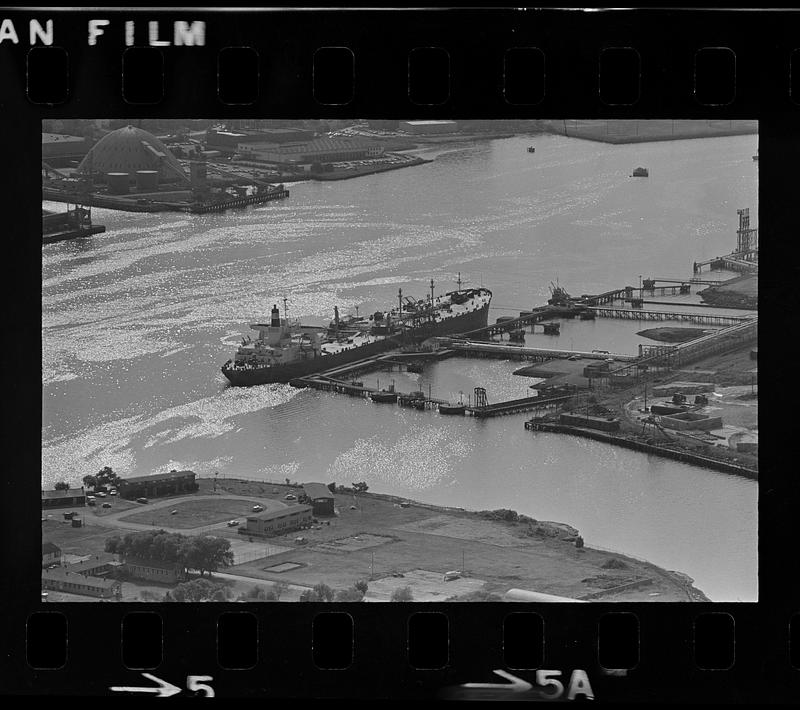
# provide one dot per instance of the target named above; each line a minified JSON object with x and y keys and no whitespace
{"x":137,"y":322}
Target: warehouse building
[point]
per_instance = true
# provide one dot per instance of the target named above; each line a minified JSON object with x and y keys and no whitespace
{"x":59,"y":149}
{"x":278,"y":522}
{"x":154,"y":570}
{"x":68,"y":498}
{"x":321,"y":498}
{"x":51,"y":554}
{"x":428,"y":127}
{"x":321,"y":150}
{"x":159,"y":484}
{"x":61,"y":579}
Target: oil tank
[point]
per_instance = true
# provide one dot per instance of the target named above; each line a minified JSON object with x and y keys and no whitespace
{"x":118,"y":183}
{"x":147,"y":180}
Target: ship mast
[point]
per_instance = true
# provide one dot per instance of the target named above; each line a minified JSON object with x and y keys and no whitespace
{"x":459,"y":281}
{"x":432,"y":315}
{"x":285,"y":310}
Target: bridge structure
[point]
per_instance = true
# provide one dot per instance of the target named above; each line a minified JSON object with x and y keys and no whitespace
{"x":513,"y":406}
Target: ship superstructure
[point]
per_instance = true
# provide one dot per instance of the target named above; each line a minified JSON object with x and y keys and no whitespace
{"x":286,"y":349}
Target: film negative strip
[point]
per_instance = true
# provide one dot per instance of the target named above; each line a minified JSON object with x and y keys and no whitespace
{"x":432,"y":168}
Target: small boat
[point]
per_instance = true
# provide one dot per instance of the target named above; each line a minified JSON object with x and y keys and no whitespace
{"x":452,"y":409}
{"x":755,"y":157}
{"x":640,"y":172}
{"x":418,"y":404}
{"x":531,"y":149}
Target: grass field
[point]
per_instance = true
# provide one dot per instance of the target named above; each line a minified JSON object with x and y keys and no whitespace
{"x":193,"y":513}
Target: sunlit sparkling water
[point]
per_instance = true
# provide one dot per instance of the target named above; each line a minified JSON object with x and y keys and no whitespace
{"x":137,"y":322}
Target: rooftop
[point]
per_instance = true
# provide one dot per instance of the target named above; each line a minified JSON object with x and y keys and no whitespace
{"x":171,"y":476}
{"x":49,"y":547}
{"x":317,"y":490}
{"x":280,"y":512}
{"x":64,"y":575}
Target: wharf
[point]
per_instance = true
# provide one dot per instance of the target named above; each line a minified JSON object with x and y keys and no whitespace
{"x":628,"y":443}
{"x":516,"y":352}
{"x":514,"y":406}
{"x":72,"y":234}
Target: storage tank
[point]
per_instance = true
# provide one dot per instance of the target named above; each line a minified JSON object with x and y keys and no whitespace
{"x":147,"y":180}
{"x":118,"y":183}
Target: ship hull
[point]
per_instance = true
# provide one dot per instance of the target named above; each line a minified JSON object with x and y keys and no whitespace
{"x":284,"y":373}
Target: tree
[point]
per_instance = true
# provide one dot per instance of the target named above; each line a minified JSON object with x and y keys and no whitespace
{"x":349,"y":595}
{"x":361,"y":585}
{"x":332,"y":487}
{"x":206,"y":553}
{"x":318,"y":593}
{"x":360,"y":487}
{"x":402,"y":594}
{"x":279,"y":588}
{"x":61,"y":486}
{"x":106,"y":477}
{"x":89,"y":481}
{"x":198,"y":590}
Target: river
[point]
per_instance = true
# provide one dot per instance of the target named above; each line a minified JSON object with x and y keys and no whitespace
{"x":138,"y":320}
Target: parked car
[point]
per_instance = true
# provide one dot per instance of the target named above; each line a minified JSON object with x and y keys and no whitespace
{"x":173,"y":512}
{"x":258,"y":508}
{"x":232,"y":523}
{"x":100,"y":494}
{"x":106,"y":505}
{"x":448,"y":576}
{"x":112,"y":492}
{"x":141,"y":500}
{"x":290,"y":496}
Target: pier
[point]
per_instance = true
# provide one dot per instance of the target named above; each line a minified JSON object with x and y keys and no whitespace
{"x":516,"y":352}
{"x":74,"y":223}
{"x":639,"y":314}
{"x":513,"y":406}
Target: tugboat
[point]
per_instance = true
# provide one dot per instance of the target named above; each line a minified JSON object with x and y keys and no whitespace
{"x":640,"y":172}
{"x":453,"y":408}
{"x":531,"y":149}
{"x":755,"y":157}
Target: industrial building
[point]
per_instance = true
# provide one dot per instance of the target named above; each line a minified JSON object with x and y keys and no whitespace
{"x":321,"y":150}
{"x":321,"y":498}
{"x":159,"y":484}
{"x":277,"y":522}
{"x":428,"y":127}
{"x":70,"y":497}
{"x":125,"y":152}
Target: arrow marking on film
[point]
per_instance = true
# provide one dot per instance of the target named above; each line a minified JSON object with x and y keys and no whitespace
{"x":164,"y":689}
{"x":517,"y":685}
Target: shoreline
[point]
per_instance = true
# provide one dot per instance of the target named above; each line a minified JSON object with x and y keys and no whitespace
{"x":555,"y":531}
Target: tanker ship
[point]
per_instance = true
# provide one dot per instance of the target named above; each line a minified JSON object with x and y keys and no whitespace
{"x":286,"y":349}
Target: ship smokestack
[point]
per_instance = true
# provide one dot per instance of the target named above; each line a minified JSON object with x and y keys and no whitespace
{"x":336,"y":317}
{"x":276,"y":317}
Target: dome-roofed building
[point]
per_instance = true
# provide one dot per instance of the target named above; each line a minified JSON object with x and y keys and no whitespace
{"x":128,"y":150}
